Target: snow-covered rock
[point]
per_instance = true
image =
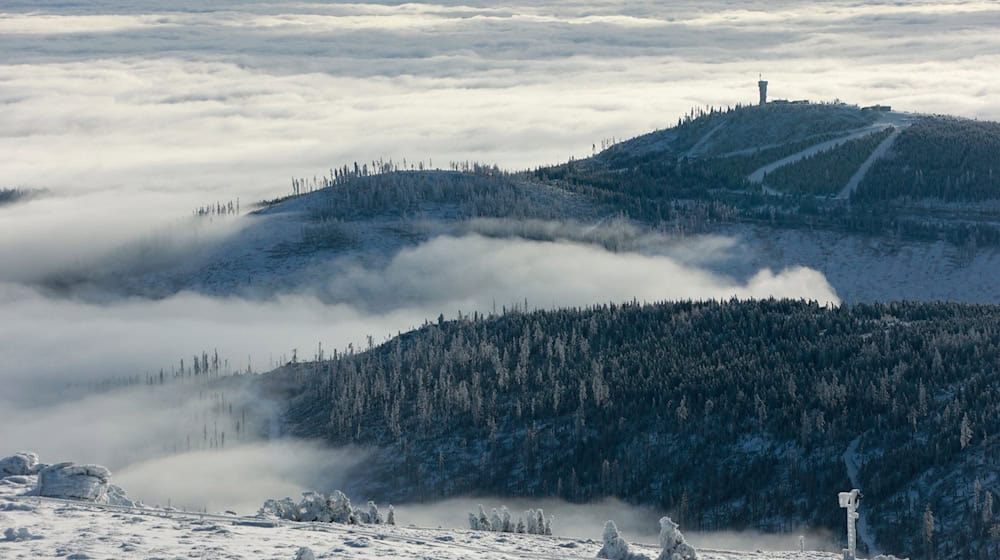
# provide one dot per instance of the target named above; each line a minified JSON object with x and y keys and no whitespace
{"x":19,"y":464}
{"x":675,"y":547}
{"x":358,"y":542}
{"x":305,"y":553}
{"x":17,"y":485}
{"x":22,"y":473}
{"x":22,"y":534}
{"x":77,"y":482}
{"x":118,"y":497}
{"x":18,"y":479}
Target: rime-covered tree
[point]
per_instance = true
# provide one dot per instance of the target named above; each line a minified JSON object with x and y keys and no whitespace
{"x":615,"y":547}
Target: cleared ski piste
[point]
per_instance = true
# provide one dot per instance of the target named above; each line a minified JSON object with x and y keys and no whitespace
{"x":898,"y":120}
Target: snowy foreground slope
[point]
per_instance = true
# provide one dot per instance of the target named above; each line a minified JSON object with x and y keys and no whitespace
{"x":80,"y":530}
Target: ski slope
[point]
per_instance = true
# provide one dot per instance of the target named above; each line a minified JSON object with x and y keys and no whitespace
{"x":878,"y":153}
{"x":899,"y":121}
{"x":757,"y":177}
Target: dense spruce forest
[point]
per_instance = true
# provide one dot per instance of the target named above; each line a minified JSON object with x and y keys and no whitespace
{"x":826,"y":173}
{"x":696,"y":408}
{"x":951,"y":159}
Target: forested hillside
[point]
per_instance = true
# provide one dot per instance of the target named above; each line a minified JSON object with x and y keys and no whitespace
{"x":697,"y":173}
{"x":679,"y":182}
{"x":711,"y":150}
{"x":697,"y":408}
{"x":10,"y":196}
{"x":402,"y":201}
{"x":826,"y":173}
{"x":717,"y":131}
{"x":946,"y":158}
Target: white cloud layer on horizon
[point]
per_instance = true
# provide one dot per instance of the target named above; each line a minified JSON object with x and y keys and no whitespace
{"x":134,"y":115}
{"x":105,"y":95}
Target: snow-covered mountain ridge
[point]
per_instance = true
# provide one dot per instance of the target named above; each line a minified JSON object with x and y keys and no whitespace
{"x":919,"y":223}
{"x":79,"y":530}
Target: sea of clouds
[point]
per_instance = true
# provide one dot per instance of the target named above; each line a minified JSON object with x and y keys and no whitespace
{"x":131,"y":115}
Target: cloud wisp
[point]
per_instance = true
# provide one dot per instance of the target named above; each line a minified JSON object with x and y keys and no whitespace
{"x":472,"y":272}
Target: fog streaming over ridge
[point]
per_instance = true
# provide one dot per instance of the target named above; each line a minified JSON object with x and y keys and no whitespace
{"x":56,"y":350}
{"x":43,"y":336}
{"x":467,"y":273}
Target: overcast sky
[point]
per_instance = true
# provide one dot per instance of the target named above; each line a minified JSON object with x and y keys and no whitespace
{"x":236,"y":99}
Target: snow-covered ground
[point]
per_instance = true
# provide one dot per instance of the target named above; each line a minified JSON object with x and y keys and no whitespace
{"x":864,"y":268}
{"x":699,"y":147}
{"x":81,"y":530}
